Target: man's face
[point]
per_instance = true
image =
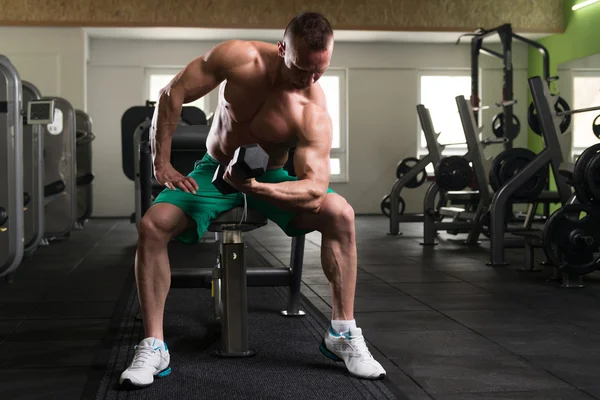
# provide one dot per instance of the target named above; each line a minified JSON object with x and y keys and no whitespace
{"x":304,"y":67}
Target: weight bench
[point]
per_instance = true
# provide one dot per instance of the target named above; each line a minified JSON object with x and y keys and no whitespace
{"x":229,"y":279}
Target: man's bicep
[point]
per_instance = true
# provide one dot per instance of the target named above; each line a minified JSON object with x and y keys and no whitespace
{"x":311,"y":162}
{"x":311,"y":158}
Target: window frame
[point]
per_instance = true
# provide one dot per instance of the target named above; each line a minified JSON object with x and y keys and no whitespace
{"x":454,"y":150}
{"x":341,"y":153}
{"x":149,"y":71}
{"x":578,"y":73}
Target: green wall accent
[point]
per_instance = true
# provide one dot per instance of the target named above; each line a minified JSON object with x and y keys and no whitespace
{"x":580,"y":39}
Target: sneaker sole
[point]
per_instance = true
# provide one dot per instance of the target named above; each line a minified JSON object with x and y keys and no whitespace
{"x":128,"y":384}
{"x":332,"y":356}
{"x":328,"y":353}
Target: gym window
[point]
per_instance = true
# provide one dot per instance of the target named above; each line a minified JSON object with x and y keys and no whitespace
{"x":586,"y":93}
{"x":156,"y":79}
{"x":333,"y":83}
{"x":438,"y":93}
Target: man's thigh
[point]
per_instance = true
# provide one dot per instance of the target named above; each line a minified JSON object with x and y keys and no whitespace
{"x":204,"y":205}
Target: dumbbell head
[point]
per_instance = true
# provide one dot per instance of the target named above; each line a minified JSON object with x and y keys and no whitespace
{"x":250,"y":161}
{"x":219,"y":182}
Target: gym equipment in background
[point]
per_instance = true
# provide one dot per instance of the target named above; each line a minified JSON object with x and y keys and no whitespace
{"x":85,"y":175}
{"x":453,"y":175}
{"x":11,"y":168}
{"x":12,"y":204}
{"x":60,"y":174}
{"x":33,"y":174}
{"x":504,"y":124}
{"x":550,"y":155}
{"x":135,"y":129}
{"x":412,"y":176}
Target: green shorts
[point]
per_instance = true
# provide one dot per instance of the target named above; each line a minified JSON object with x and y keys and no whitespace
{"x":207,"y":203}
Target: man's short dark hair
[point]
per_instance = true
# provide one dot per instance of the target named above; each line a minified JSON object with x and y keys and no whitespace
{"x":312,"y":27}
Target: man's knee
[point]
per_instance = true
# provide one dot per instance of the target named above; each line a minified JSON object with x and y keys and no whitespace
{"x":338,"y":212}
{"x":162,"y":223}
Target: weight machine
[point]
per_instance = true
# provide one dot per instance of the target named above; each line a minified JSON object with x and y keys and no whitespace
{"x":453,"y":174}
{"x":408,"y":177}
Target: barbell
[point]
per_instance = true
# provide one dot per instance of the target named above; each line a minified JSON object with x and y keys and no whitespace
{"x":562,"y":109}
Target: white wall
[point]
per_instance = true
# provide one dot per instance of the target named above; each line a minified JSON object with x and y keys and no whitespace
{"x":566,"y":72}
{"x":382,"y":96}
{"x":53,"y":59}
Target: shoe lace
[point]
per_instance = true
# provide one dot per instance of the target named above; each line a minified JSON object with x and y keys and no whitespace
{"x":359,"y":345}
{"x":142,"y":354}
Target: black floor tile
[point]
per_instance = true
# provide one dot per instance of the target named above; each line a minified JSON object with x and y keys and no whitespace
{"x":66,"y":310}
{"x":363,"y":289}
{"x":472,"y":301}
{"x":398,"y":302}
{"x":7,"y":327}
{"x":393,"y":275}
{"x":43,"y":384}
{"x":555,"y":338}
{"x":477,"y":373}
{"x":579,"y":369}
{"x":48,"y":354}
{"x":92,"y":292}
{"x":501,"y":319}
{"x":32,"y":330}
{"x":549,"y":394}
{"x":417,"y":344}
{"x":438,"y":288}
{"x":16,"y":310}
{"x":406,"y":321}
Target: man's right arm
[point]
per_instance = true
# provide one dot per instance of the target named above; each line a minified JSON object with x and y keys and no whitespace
{"x":196,"y":80}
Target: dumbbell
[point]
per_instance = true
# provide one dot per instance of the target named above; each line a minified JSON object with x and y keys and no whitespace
{"x":249,"y":161}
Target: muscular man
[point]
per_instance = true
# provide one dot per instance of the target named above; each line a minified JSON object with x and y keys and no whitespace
{"x":267,"y":95}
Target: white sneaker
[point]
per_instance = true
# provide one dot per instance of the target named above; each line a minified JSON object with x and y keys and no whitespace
{"x":151,"y":359}
{"x":351,"y":348}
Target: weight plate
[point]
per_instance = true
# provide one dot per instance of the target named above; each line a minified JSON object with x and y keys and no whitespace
{"x":592,"y":180}
{"x":386,"y":205}
{"x":580,"y":173}
{"x":571,"y":238}
{"x":508,"y":163}
{"x":596,"y":126}
{"x":560,"y":105}
{"x":453,"y":173}
{"x":498,"y":127}
{"x":405,"y":166}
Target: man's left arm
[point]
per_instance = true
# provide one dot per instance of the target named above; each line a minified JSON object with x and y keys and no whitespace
{"x":311,"y":164}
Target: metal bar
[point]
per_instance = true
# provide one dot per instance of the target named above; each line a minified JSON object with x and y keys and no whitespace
{"x":145,"y":177}
{"x":434,"y":156}
{"x":255,"y":277}
{"x":429,"y":212}
{"x":491,"y":52}
{"x":295,"y":276}
{"x":503,"y":103}
{"x":541,"y":49}
{"x":577,"y":111}
{"x":234,"y":335}
{"x":507,"y":89}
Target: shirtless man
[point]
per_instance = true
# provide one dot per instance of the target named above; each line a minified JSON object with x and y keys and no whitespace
{"x":268,"y":95}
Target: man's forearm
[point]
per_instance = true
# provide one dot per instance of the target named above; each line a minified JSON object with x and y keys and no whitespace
{"x":297,"y":196}
{"x":164,"y":123}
